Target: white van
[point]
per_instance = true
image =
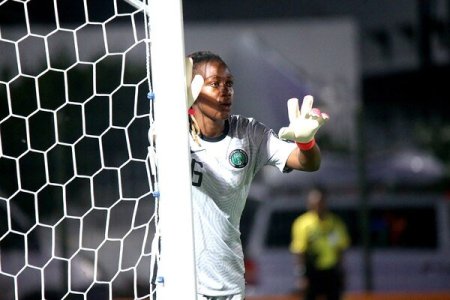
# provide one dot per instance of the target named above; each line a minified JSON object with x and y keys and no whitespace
{"x":410,"y":242}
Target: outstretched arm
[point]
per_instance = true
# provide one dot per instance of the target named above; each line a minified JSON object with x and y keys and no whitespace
{"x":304,"y":160}
{"x":303,"y":126}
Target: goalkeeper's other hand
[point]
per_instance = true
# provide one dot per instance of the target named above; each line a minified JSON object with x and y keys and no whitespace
{"x":304,"y":123}
{"x":194,"y":86}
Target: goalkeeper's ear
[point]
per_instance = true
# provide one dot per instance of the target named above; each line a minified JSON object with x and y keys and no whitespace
{"x":194,"y":86}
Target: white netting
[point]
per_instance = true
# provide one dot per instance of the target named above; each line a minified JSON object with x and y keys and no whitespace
{"x":77,"y":206}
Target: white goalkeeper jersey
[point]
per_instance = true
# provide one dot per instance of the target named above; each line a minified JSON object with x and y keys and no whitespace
{"x":222,"y":171}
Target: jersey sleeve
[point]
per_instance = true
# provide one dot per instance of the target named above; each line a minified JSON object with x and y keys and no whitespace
{"x":298,"y":237}
{"x":272,"y":150}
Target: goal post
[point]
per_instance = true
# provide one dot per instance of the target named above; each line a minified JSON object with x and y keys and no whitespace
{"x":177,"y":264}
{"x":83,"y":193}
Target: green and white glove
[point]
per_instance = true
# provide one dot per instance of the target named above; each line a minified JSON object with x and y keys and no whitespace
{"x":304,"y":123}
{"x":194,"y":86}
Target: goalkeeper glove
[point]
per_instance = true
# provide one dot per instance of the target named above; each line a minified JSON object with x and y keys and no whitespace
{"x":194,"y":86}
{"x":304,"y":123}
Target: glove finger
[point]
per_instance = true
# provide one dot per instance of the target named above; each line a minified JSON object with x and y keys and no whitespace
{"x":286,"y":133}
{"x":322,"y":118}
{"x":306,"y":106}
{"x":315,"y":112}
{"x":196,"y":87}
{"x":189,"y":63}
{"x":293,"y":111}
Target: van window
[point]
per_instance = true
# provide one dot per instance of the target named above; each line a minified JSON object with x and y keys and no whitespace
{"x":399,"y":227}
{"x":279,"y":229}
{"x":247,"y":219}
{"x":406,"y":227}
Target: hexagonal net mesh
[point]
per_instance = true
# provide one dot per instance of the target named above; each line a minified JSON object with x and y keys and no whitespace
{"x":77,"y":205}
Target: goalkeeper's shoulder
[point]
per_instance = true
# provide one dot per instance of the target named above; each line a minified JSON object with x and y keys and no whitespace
{"x":247,"y":122}
{"x":250,"y":126}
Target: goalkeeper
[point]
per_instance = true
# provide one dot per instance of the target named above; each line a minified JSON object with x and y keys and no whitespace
{"x":226,"y":152}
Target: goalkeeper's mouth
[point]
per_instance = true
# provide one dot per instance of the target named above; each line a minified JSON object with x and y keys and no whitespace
{"x":225,"y":106}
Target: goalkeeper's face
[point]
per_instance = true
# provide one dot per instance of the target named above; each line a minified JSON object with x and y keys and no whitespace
{"x":216,"y":96}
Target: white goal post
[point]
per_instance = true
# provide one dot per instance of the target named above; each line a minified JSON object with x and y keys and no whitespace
{"x":82,"y":192}
{"x":177,"y":263}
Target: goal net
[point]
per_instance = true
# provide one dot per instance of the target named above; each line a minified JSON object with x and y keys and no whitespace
{"x":79,"y":189}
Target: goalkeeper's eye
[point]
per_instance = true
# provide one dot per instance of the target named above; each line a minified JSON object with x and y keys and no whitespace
{"x":214,"y":84}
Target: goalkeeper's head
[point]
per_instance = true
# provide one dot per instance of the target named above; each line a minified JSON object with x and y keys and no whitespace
{"x":213,"y":100}
{"x":317,"y":201}
{"x":201,"y":58}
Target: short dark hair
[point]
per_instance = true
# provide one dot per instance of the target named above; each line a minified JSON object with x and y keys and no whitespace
{"x":321,"y":189}
{"x":201,"y":57}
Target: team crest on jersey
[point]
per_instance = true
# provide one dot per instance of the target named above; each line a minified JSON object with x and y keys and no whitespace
{"x":238,"y":158}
